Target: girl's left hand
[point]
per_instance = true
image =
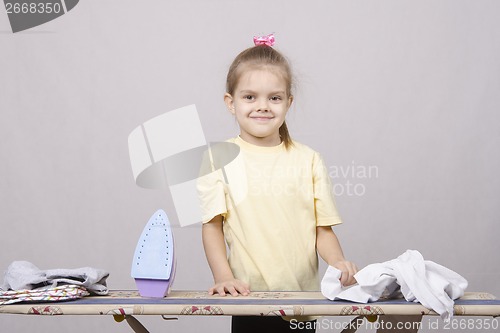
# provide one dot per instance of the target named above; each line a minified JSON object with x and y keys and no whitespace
{"x":348,"y":270}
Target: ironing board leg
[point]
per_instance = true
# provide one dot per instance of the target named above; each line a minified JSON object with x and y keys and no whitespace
{"x":136,"y":325}
{"x":132,"y":322}
{"x":354,"y":325}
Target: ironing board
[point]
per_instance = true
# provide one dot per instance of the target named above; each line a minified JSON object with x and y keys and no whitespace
{"x":124,"y":304}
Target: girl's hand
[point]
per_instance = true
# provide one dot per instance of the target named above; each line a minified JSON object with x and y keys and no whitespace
{"x":348,"y":270}
{"x":233,"y":287}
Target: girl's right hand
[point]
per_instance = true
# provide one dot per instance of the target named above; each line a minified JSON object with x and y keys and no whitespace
{"x":233,"y":287}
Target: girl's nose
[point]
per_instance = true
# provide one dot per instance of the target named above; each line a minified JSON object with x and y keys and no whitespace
{"x":263,"y":105}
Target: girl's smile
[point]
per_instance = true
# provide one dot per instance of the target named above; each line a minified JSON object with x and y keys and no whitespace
{"x":260,"y":118}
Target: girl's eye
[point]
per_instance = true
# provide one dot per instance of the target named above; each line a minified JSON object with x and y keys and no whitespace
{"x":276,"y":98}
{"x":248,"y":97}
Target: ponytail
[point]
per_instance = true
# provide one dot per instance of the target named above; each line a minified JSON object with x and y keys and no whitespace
{"x":285,"y":136}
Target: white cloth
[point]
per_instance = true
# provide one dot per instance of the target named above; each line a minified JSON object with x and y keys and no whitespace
{"x":22,"y":275}
{"x":433,"y":285}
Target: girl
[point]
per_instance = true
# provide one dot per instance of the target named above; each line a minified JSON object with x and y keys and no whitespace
{"x":288,"y":209}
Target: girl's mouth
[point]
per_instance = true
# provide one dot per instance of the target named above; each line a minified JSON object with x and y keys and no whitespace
{"x":262,"y":118}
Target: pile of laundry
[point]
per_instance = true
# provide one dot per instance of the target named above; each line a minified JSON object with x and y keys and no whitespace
{"x":25,"y":282}
{"x":409,"y":276}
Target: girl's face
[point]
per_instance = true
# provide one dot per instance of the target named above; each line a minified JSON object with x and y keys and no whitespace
{"x":260,"y":104}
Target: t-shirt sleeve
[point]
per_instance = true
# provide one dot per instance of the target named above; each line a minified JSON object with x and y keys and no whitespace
{"x":211,"y":193}
{"x":324,"y":201}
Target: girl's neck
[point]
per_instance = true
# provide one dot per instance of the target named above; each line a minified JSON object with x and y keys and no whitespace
{"x":262,"y":142}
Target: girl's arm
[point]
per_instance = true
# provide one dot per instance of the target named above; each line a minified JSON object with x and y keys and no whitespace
{"x":328,"y":247}
{"x":215,"y":250}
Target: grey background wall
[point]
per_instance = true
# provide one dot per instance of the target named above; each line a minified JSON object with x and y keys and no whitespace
{"x":400,"y":97}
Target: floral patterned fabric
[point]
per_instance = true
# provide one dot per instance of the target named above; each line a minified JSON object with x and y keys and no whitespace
{"x":60,"y":293}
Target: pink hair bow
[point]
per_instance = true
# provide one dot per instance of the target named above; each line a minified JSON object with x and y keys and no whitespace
{"x":264,"y":40}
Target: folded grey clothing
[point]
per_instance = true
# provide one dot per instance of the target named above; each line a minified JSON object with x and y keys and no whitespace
{"x":24,"y":275}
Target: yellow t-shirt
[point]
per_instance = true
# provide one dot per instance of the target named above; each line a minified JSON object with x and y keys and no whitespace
{"x":272,"y":199}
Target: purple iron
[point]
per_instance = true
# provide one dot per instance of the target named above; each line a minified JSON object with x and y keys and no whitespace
{"x":153,"y":267}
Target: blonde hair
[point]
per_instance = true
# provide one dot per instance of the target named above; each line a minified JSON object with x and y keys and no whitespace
{"x":262,"y":56}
